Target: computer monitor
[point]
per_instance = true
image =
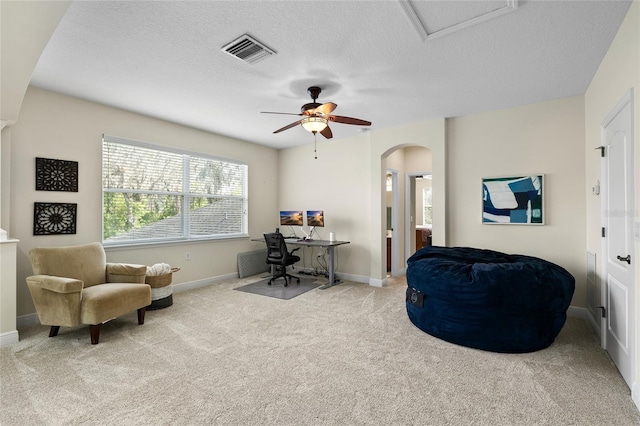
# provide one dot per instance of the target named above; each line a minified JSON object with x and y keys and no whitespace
{"x":291,"y":218}
{"x":315,"y":218}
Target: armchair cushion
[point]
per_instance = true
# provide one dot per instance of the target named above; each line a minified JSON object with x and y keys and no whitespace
{"x":126,"y":273}
{"x":100,"y":303}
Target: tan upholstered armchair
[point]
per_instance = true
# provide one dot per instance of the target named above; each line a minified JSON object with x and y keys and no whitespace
{"x":75,"y":285}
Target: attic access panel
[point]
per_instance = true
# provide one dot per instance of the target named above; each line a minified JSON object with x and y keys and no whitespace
{"x":434,"y":19}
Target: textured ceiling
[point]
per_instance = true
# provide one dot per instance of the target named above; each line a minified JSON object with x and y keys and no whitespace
{"x":164,"y":59}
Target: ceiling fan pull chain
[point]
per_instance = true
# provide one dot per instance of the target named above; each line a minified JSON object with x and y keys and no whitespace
{"x":315,"y":143}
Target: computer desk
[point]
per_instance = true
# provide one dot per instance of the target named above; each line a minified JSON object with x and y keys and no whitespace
{"x":329,"y":245}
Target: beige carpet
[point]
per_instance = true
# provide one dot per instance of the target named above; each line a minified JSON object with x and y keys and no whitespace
{"x":347,"y":355}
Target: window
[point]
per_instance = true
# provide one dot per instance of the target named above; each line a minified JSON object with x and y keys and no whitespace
{"x":427,"y":207}
{"x":155,"y":194}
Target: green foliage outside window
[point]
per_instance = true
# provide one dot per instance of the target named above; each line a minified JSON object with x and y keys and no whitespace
{"x":151,"y":194}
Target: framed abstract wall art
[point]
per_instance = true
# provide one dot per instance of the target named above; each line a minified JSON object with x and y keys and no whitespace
{"x":513,"y":200}
{"x":54,"y":218}
{"x":56,"y":175}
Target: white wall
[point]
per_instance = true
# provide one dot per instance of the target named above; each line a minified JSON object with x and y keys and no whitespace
{"x":546,"y":138}
{"x":51,"y":125}
{"x":618,"y":72}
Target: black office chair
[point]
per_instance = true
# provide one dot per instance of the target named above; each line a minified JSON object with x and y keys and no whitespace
{"x":280,"y":257}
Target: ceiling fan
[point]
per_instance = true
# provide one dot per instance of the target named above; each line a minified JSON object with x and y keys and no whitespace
{"x":316,"y":116}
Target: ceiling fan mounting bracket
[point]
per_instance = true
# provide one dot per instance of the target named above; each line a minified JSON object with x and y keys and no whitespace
{"x":314,"y":92}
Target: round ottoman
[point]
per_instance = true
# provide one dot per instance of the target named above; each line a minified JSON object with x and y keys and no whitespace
{"x":487,"y":300}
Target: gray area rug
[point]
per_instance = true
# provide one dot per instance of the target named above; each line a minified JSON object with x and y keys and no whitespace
{"x":278,"y":290}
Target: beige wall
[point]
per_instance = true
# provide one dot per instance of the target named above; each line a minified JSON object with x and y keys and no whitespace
{"x":337,"y":183}
{"x":545,"y":138}
{"x":347,"y":180}
{"x":25,"y":29}
{"x":56,"y":126}
{"x":618,"y":72}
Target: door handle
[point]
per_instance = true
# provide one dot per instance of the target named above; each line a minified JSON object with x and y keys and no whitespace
{"x":625,"y":259}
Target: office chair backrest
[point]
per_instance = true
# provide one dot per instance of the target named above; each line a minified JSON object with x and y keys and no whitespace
{"x":276,"y":247}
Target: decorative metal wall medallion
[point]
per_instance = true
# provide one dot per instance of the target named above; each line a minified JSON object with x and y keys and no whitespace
{"x":56,"y":175}
{"x":54,"y":218}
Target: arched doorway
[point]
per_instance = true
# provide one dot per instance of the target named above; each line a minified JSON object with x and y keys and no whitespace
{"x":428,"y":134}
{"x":405,"y":164}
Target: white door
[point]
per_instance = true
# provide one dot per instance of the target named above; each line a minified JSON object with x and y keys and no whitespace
{"x":618,"y":250}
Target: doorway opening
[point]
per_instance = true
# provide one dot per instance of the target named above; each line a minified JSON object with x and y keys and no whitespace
{"x":419,"y":208}
{"x":402,"y":167}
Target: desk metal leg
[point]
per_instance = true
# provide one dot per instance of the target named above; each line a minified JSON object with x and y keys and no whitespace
{"x":332,"y":281}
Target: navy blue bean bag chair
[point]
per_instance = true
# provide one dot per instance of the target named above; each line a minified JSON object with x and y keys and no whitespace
{"x":487,"y":300}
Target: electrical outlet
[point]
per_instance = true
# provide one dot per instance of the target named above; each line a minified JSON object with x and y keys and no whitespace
{"x":187,"y":256}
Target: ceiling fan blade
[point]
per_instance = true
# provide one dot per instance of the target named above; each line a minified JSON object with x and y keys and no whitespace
{"x":326,"y":108}
{"x":281,"y":113}
{"x":348,"y":120}
{"x":288,"y":126}
{"x":326,"y":132}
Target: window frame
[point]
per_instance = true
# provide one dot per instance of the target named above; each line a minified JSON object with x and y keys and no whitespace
{"x":185,"y":193}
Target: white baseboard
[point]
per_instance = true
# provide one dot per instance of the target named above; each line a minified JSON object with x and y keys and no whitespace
{"x":635,"y":395}
{"x":177,"y":288}
{"x":9,"y":338}
{"x":352,"y":277}
{"x":373,"y":282}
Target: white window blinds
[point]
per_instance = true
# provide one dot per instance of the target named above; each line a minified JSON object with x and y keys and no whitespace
{"x":155,"y":194}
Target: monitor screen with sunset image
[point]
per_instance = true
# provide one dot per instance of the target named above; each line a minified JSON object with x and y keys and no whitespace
{"x":291,"y":218}
{"x":315,"y":218}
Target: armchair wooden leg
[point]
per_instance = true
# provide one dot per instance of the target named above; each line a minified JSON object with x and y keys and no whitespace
{"x":141,"y":312}
{"x":53,"y":332}
{"x":94,"y":330}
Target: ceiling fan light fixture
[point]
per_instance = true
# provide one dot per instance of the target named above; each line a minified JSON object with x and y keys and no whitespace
{"x":314,"y":124}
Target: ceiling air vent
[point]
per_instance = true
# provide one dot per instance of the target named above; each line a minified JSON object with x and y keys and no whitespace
{"x":248,"y":49}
